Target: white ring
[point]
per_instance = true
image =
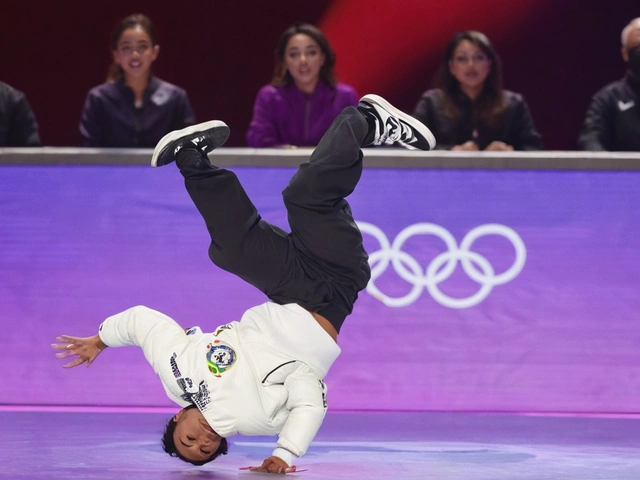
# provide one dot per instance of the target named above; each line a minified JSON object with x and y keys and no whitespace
{"x":475,"y":265}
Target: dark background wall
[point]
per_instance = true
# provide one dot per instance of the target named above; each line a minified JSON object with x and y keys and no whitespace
{"x":557,"y":53}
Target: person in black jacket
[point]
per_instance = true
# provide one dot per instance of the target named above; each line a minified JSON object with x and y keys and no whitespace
{"x":469,"y":110}
{"x":133,"y":108}
{"x":612,"y":122}
{"x":18,"y":127}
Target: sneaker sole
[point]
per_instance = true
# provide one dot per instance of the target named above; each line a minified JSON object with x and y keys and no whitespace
{"x":186,"y":134}
{"x":415,"y":123}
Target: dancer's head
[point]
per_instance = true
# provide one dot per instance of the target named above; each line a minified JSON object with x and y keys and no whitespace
{"x":470,"y":63}
{"x":189,"y":437}
{"x":133,"y":47}
{"x":303,"y":57}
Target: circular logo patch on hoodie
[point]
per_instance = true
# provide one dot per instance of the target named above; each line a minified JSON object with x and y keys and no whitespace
{"x":220,"y":358}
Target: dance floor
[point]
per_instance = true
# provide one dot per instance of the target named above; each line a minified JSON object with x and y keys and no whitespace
{"x":115,"y":444}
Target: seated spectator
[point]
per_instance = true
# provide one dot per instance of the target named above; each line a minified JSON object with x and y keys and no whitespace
{"x":469,"y":110}
{"x":612,"y":121}
{"x":133,"y":108}
{"x":304,"y":97}
{"x":18,"y":127}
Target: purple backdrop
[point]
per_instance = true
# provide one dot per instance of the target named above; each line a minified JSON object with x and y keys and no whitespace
{"x":545,"y":317}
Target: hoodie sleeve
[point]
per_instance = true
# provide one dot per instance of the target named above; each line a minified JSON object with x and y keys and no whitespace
{"x":307,"y":406}
{"x":148,"y":329}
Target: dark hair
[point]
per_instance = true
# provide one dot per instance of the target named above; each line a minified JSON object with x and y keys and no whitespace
{"x":132,"y":21}
{"x":281,"y":76}
{"x":169,"y":445}
{"x":490,"y":103}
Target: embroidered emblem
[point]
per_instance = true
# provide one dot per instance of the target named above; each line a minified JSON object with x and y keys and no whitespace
{"x":187,"y":386}
{"x":174,"y":366}
{"x":220,"y":358}
{"x":200,"y":396}
{"x":192,"y":330}
{"x":222,"y":328}
{"x":323,"y":389}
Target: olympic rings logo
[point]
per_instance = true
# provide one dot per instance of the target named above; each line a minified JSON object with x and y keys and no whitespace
{"x":476,"y":266}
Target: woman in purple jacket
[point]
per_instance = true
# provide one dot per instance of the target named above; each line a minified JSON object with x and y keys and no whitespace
{"x":304,"y":96}
{"x":133,"y":108}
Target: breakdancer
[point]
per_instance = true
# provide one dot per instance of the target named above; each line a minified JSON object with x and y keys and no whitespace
{"x":262,"y":375}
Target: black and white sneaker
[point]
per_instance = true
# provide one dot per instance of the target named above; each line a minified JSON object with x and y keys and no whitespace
{"x":394,"y":126}
{"x":205,"y":136}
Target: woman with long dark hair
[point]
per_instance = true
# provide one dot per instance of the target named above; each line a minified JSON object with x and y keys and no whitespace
{"x":133,"y":108}
{"x":304,"y":96}
{"x":469,"y":109}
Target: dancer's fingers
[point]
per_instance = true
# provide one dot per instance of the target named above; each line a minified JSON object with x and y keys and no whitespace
{"x":65,"y":354}
{"x":67,"y":339}
{"x":75,"y":363}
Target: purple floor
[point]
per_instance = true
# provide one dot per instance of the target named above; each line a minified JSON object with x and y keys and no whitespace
{"x":115,"y":445}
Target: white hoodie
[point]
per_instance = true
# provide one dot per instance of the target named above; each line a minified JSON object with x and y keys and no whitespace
{"x":260,"y":376}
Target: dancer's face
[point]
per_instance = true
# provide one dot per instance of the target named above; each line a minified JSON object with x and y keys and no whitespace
{"x":135,"y":52}
{"x":303,"y":58}
{"x":469,"y":65}
{"x":193,"y":437}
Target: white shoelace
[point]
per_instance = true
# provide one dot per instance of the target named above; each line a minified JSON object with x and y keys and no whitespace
{"x":392,"y":133}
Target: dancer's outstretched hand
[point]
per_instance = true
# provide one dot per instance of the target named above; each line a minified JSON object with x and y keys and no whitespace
{"x":87,"y":349}
{"x":274,"y":465}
